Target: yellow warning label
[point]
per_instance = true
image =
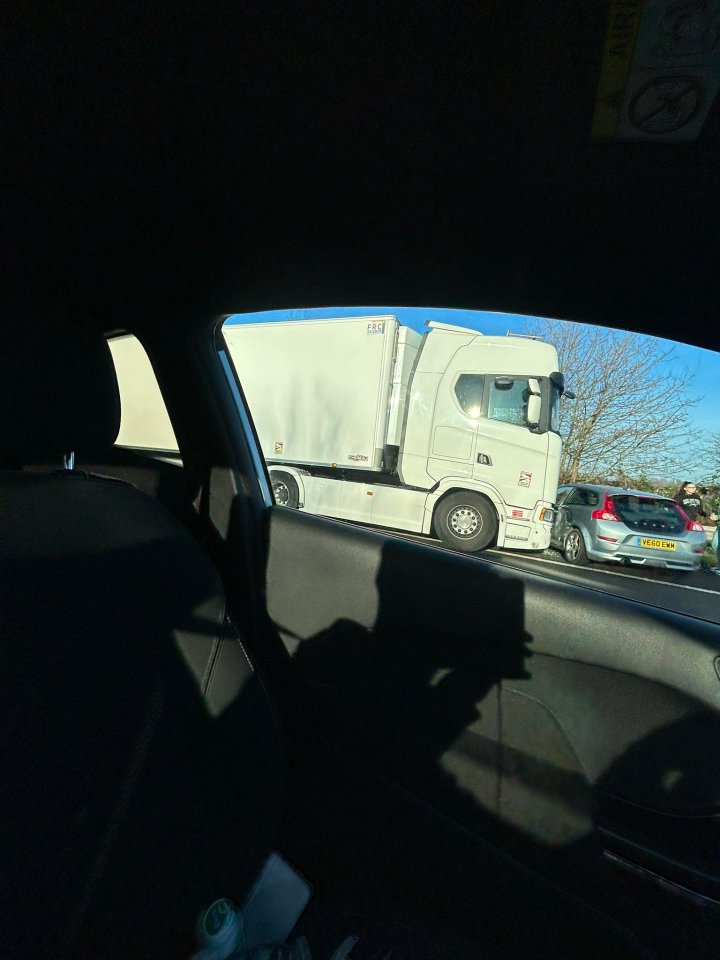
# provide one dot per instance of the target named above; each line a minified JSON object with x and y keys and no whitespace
{"x":622,"y":30}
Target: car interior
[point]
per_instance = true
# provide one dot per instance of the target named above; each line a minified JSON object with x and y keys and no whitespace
{"x":463,"y":760}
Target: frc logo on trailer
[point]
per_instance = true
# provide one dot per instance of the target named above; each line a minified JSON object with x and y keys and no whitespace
{"x":525,"y":479}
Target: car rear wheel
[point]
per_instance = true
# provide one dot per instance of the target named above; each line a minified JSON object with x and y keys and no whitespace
{"x":574,"y":548}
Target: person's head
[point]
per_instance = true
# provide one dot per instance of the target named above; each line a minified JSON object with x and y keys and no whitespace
{"x":689,"y":487}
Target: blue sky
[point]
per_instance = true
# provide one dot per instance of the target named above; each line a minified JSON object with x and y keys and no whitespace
{"x":705,"y":363}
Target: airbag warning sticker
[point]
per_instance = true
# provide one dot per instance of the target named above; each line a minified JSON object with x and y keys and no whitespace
{"x":660,"y":71}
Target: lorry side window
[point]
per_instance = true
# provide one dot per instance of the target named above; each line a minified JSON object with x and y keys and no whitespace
{"x":144,"y":420}
{"x":469,"y":391}
{"x":509,"y":403}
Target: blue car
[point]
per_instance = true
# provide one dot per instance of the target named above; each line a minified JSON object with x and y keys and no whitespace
{"x":633,"y":527}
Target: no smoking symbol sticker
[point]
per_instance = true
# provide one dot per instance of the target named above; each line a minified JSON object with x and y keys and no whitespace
{"x":665,"y":105}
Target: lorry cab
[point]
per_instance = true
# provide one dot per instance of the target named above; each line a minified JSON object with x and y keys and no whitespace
{"x":483,"y":415}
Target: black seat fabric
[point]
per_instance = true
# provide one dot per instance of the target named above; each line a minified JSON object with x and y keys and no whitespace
{"x":141,"y":764}
{"x":58,"y":391}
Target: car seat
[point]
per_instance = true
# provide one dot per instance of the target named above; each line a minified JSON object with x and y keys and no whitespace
{"x":142,"y":763}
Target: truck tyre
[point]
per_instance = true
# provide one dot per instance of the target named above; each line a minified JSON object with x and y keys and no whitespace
{"x":285,"y":488}
{"x":574,"y":548}
{"x":466,"y":521}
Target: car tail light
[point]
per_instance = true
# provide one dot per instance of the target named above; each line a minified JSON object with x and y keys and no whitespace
{"x":607,"y":511}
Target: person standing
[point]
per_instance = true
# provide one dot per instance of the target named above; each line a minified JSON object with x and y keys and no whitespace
{"x":715,"y":544}
{"x":688,"y":496}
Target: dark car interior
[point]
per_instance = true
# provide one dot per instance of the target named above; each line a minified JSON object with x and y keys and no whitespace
{"x":464,"y":760}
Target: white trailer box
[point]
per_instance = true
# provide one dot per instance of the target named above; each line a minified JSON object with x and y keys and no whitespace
{"x":321,"y":369}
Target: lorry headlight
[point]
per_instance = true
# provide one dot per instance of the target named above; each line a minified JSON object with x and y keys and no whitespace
{"x":547,"y":514}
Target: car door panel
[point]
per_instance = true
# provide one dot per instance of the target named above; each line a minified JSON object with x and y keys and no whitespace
{"x":560,"y":525}
{"x":571,"y":512}
{"x":350,"y":615}
{"x":537,"y":712}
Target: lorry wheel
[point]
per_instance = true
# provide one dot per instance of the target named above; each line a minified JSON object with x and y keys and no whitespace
{"x":574,"y":548}
{"x":285,"y":488}
{"x":466,"y":521}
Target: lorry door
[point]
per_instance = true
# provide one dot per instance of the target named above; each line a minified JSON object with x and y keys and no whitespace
{"x":453,"y":436}
{"x":510,"y":455}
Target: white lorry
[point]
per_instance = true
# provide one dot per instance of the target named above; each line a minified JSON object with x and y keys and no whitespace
{"x":363,"y":419}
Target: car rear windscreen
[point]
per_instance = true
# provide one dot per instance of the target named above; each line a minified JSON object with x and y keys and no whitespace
{"x":655,"y":514}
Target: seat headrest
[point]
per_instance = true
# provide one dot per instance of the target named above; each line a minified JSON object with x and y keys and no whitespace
{"x":58,"y":394}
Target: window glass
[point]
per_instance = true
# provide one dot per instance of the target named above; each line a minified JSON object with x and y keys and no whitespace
{"x":562,"y":494}
{"x":509,"y":403}
{"x":582,"y":497}
{"x":469,"y":391}
{"x":144,"y":420}
{"x":649,"y":513}
{"x":364,"y":413}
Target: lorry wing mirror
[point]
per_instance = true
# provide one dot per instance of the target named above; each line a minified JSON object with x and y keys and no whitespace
{"x":533,"y":411}
{"x":569,"y":395}
{"x":533,"y":387}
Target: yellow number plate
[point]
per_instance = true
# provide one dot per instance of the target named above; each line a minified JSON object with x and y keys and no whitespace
{"x":656,"y":544}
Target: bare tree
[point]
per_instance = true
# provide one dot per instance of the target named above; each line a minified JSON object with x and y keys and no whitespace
{"x":631,"y":415}
{"x":713,"y":475}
